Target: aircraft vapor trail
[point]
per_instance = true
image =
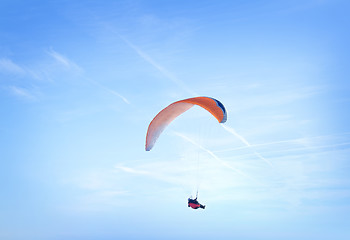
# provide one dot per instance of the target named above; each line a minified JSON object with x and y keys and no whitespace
{"x":160,"y":68}
{"x":213,"y":155}
{"x":232,"y":131}
{"x":297,"y":140}
{"x":302,"y":149}
{"x":71,"y":65}
{"x":108,"y":90}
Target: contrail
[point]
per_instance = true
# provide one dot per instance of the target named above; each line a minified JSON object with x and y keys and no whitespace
{"x":64,"y":61}
{"x":132,"y":170}
{"x":302,"y":149}
{"x":161,"y":69}
{"x":117,"y":94}
{"x":109,"y":90}
{"x":70,"y":64}
{"x":232,"y":131}
{"x":259,"y":145}
{"x":213,"y":155}
{"x":297,"y":140}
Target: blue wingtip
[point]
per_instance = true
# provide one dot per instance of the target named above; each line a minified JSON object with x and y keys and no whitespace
{"x":224,"y":119}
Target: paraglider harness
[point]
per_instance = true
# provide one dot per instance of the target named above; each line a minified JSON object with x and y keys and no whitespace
{"x":193,"y":203}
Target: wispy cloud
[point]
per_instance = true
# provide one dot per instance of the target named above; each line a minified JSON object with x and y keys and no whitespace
{"x":59,"y":58}
{"x":162,"y":171}
{"x":132,"y":170}
{"x":64,"y":61}
{"x":111,"y":91}
{"x":160,"y":68}
{"x":301,"y":141}
{"x":232,"y":131}
{"x":300,"y":151}
{"x":118,"y":95}
{"x":278,"y":98}
{"x":22,"y":92}
{"x":95,"y":189}
{"x":212,"y":154}
{"x":42,"y":69}
{"x":8,"y":66}
{"x":69,"y":64}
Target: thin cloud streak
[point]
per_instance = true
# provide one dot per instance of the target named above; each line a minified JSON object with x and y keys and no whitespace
{"x":212,"y":154}
{"x":298,"y":151}
{"x":71,"y":65}
{"x":296,"y":141}
{"x":8,"y":66}
{"x":160,"y":68}
{"x":109,"y":90}
{"x":232,"y":131}
{"x":132,"y":170}
{"x":21,"y":92}
{"x":59,"y":58}
{"x":64,"y":61}
{"x":164,"y":173}
{"x":117,"y":94}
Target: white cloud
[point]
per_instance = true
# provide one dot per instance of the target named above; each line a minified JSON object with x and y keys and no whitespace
{"x":70,"y":65}
{"x":119,"y":95}
{"x":22,"y":92}
{"x":297,"y":145}
{"x":160,"y":68}
{"x":115,"y":94}
{"x":212,"y":154}
{"x":232,"y":131}
{"x":8,"y":66}
{"x":277,"y":98}
{"x":59,"y":58}
{"x":64,"y":61}
{"x":132,"y":170}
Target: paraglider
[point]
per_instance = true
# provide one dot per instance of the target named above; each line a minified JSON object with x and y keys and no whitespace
{"x":168,"y":114}
{"x":193,"y":203}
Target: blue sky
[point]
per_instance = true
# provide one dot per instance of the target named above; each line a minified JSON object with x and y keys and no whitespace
{"x":81,"y":80}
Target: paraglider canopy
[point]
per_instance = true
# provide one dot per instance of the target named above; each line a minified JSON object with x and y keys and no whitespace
{"x":168,"y":114}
